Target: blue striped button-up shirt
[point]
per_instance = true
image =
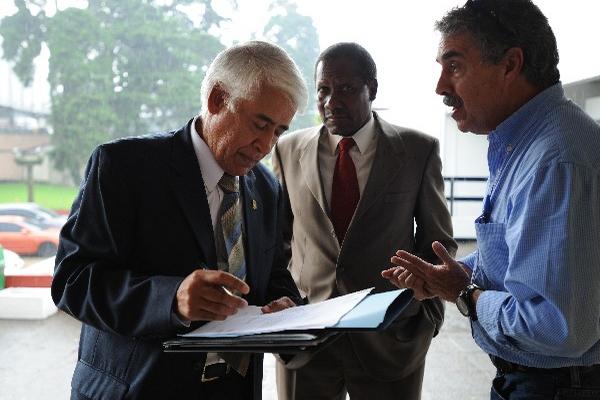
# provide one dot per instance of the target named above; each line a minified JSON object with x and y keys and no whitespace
{"x":538,"y":255}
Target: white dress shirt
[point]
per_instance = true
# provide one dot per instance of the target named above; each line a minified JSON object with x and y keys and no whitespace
{"x":211,"y":174}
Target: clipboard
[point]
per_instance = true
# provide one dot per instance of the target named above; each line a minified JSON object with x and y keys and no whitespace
{"x":287,"y":342}
{"x":375,"y":312}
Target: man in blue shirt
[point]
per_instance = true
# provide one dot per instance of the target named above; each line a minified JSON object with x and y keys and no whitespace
{"x":532,"y":288}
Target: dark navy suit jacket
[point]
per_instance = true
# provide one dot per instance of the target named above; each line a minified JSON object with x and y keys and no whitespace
{"x":139,"y":225}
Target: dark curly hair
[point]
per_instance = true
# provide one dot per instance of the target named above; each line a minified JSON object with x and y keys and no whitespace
{"x":498,"y":25}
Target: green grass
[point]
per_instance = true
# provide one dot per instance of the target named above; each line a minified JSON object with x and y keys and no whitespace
{"x":54,"y":197}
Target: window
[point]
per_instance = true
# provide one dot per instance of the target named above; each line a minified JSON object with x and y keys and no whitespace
{"x":8,"y":227}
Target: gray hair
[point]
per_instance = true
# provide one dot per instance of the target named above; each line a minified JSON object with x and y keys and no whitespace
{"x":498,"y":25}
{"x":241,"y":70}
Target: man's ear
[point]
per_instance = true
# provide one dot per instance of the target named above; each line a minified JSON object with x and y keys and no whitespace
{"x":372,"y":85}
{"x":217,"y":99}
{"x":513,"y":61}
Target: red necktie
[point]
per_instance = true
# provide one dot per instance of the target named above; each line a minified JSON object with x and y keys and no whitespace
{"x":344,"y":191}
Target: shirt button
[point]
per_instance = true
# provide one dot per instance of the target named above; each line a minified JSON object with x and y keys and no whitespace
{"x":509,"y":148}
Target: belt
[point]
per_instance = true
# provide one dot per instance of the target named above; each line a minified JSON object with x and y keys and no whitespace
{"x":507,"y":367}
{"x":215,"y":371}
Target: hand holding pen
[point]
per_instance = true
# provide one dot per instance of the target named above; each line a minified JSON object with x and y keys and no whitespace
{"x":207,"y":295}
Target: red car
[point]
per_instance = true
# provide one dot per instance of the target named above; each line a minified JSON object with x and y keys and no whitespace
{"x":26,"y":237}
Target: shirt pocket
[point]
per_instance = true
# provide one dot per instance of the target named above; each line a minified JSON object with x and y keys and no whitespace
{"x":493,"y":254}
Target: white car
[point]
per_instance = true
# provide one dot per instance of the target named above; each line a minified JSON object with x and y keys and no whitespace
{"x":33,"y":212}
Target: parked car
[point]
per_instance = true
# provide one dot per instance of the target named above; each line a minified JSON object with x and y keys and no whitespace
{"x":25,"y":237}
{"x":34,"y":212}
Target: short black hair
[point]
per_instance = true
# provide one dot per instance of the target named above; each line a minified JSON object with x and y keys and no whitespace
{"x":498,"y":25}
{"x":355,"y":52}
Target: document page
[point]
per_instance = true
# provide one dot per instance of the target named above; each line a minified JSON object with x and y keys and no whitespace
{"x":251,"y":321}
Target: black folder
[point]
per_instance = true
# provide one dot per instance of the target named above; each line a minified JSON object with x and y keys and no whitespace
{"x":366,"y":316}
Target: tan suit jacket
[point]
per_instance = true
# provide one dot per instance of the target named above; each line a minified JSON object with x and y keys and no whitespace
{"x":402,"y":207}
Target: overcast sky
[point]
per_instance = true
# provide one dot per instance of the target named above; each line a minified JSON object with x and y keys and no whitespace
{"x":400,"y":37}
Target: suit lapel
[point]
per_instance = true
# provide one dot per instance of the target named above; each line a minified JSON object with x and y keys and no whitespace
{"x":188,"y":187}
{"x":389,"y":159}
{"x":309,"y":163}
{"x":253,"y":215}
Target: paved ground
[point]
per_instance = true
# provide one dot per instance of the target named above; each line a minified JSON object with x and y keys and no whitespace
{"x":37,"y":360}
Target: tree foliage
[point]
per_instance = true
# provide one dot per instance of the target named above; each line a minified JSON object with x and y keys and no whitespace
{"x":126,"y":67}
{"x":117,"y":68}
{"x":298,"y":36}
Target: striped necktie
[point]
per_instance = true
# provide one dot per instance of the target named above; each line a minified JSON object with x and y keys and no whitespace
{"x":230,"y":245}
{"x":230,"y":251}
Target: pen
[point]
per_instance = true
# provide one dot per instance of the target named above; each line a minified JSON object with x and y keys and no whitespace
{"x":484,"y":218}
{"x":203,"y":266}
{"x":227,"y":291}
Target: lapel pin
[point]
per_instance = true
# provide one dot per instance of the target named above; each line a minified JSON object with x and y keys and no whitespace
{"x":254,"y":206}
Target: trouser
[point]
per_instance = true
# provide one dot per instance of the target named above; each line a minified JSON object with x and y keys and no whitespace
{"x":516,"y":382}
{"x":336,"y":372}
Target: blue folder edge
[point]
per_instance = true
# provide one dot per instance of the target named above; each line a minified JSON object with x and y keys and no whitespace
{"x":376,"y":311}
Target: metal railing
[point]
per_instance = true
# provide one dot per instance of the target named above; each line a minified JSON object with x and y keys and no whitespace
{"x":451,"y":198}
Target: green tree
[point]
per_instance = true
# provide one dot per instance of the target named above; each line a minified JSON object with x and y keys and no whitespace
{"x":117,"y":68}
{"x":297,"y":34}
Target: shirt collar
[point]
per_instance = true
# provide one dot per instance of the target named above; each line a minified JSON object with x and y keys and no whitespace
{"x":510,"y":131}
{"x":210,"y":169}
{"x":362,"y":137}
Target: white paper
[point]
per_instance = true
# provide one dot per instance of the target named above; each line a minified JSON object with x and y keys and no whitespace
{"x":251,"y":321}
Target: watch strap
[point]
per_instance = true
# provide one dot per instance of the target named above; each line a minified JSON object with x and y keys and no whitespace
{"x":467,"y":296}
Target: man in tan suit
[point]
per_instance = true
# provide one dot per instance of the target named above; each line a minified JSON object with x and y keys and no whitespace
{"x":357,"y":189}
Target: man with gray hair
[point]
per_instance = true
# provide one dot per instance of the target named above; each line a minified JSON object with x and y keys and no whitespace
{"x":175,"y":229}
{"x":531,"y":290}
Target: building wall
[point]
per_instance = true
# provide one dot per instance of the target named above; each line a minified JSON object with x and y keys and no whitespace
{"x":586,"y":94}
{"x":592,"y":107}
{"x":464,"y":154}
{"x":9,"y":170}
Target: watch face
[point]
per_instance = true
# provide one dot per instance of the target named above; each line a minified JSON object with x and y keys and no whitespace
{"x":462,"y":306}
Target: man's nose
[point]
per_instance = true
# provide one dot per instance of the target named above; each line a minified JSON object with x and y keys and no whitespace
{"x":442,"y":87}
{"x":265,"y":142}
{"x":332,"y":100}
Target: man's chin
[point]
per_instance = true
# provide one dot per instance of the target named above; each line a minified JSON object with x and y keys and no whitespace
{"x":335,"y":129}
{"x":470,"y":129}
{"x":240,"y":170}
{"x":339,"y":131}
{"x":462,"y":127}
{"x":461,"y":124}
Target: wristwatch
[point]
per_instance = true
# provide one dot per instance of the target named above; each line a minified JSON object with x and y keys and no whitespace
{"x":465,"y":303}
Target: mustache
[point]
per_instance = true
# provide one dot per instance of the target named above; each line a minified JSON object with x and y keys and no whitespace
{"x":452,"y":101}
